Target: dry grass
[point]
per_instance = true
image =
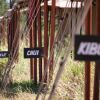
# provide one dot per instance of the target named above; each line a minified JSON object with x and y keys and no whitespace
{"x":19,"y":96}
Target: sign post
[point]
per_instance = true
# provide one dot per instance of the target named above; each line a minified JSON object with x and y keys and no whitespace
{"x":33,"y":52}
{"x":4,"y":54}
{"x":97,"y":67}
{"x":87,"y":48}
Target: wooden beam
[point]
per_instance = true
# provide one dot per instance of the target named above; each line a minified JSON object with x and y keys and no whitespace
{"x":97,"y":66}
{"x":39,"y":39}
{"x":88,"y":30}
{"x":53,"y":13}
{"x":33,"y":39}
{"x":30,"y":25}
{"x":45,"y":36}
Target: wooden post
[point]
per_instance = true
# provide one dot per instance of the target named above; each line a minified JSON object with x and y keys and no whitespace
{"x":11,"y":33}
{"x":53,"y":13}
{"x":15,"y":34}
{"x":33,"y":40}
{"x":17,"y":30}
{"x":97,"y":66}
{"x":39,"y":39}
{"x":35,"y":45}
{"x":88,"y":30}
{"x":45,"y":36}
{"x":32,"y":45}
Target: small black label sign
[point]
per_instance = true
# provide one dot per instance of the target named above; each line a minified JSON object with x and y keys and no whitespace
{"x":87,"y":48}
{"x":33,"y":52}
{"x":3,"y":54}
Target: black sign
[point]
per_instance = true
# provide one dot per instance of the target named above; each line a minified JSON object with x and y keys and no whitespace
{"x":3,"y":54}
{"x":33,"y":52}
{"x":87,"y":48}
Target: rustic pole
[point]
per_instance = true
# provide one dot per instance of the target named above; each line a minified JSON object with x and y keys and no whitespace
{"x":35,"y":45}
{"x":12,"y":46}
{"x":33,"y":39}
{"x":88,"y":30}
{"x":17,"y":30}
{"x":53,"y":11}
{"x":45,"y":36}
{"x":97,"y":66}
{"x":10,"y":33}
{"x":31,"y":43}
{"x":39,"y":39}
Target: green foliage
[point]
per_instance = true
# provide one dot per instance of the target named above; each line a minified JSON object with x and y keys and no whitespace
{"x":73,"y":79}
{"x":77,"y":69}
{"x":3,"y":7}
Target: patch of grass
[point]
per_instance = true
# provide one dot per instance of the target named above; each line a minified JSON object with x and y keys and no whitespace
{"x":2,"y":66}
{"x":21,"y":71}
{"x":25,"y":90}
{"x":24,"y":86}
{"x":77,"y":69}
{"x":71,"y":84}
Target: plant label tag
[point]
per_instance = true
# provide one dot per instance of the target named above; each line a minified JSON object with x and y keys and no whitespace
{"x":33,"y":52}
{"x":87,"y":48}
{"x":4,"y":54}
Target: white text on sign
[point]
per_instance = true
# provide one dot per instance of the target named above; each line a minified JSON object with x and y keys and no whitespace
{"x":88,"y":48}
{"x":33,"y":52}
